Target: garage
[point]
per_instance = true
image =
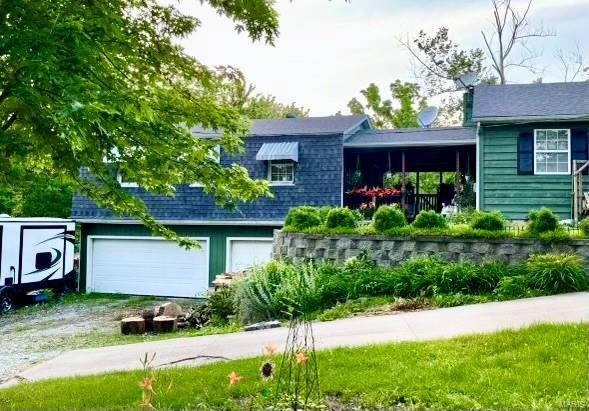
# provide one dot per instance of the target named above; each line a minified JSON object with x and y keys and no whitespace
{"x":243,"y":253}
{"x":147,"y":266}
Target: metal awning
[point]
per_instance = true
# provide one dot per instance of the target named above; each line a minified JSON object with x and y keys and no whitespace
{"x":279,"y":151}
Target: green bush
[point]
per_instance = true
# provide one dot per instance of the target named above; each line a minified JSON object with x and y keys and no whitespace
{"x":300,"y":218}
{"x":387,"y":217}
{"x":584,"y":226}
{"x":341,"y":218}
{"x":429,"y":219}
{"x":416,"y":276}
{"x":556,"y":273}
{"x":222,"y":305}
{"x":488,"y":221}
{"x":517,"y":286}
{"x":542,"y":220}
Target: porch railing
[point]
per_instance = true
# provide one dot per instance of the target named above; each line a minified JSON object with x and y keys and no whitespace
{"x":426,"y":202}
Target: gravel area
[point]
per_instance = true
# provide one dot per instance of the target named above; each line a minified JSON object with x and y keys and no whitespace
{"x":38,"y":333}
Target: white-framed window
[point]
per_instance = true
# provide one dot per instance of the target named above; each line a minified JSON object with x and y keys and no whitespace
{"x":214,"y":155}
{"x":552,"y":151}
{"x":124,"y":182}
{"x":281,"y":172}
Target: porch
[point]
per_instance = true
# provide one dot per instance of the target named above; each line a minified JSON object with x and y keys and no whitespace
{"x":418,"y":169}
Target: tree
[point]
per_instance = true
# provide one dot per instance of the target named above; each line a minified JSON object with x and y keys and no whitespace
{"x":240,"y":94}
{"x":438,"y":61}
{"x":510,"y":32}
{"x":383,"y":113}
{"x":104,"y":86}
{"x":572,"y":63}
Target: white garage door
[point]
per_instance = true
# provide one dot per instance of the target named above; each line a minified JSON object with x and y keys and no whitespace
{"x":243,"y":253}
{"x":148,"y":267}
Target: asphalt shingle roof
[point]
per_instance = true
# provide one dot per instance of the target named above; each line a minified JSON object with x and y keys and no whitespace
{"x":413,"y":137}
{"x":531,"y":101}
{"x":297,"y":126}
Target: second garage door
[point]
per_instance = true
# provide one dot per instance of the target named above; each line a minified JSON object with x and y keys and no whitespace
{"x":243,"y":253}
{"x":146,"y":266}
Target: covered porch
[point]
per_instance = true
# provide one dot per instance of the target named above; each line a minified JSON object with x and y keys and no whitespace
{"x":418,"y":169}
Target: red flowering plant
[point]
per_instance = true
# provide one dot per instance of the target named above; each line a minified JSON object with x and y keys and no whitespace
{"x":374,"y":192}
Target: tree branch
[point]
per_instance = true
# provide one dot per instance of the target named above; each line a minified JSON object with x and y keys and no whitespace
{"x":9,"y":122}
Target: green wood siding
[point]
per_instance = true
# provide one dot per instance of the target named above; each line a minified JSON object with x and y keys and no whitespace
{"x":217,"y":240}
{"x":515,"y":195}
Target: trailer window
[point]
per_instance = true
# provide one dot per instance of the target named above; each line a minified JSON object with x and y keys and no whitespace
{"x":43,"y":261}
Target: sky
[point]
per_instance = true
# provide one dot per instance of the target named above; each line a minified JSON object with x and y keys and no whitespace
{"x":328,"y":51}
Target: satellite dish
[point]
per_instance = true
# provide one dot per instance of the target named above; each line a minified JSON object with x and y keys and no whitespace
{"x":466,"y":80}
{"x":427,"y":116}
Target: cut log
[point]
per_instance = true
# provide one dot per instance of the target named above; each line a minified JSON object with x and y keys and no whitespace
{"x":164,"y":324}
{"x":148,"y":317}
{"x":169,"y":309}
{"x":132,"y":325}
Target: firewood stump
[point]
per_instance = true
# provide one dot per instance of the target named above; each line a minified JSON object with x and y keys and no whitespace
{"x":148,"y":317}
{"x":132,"y":325}
{"x":164,"y":324}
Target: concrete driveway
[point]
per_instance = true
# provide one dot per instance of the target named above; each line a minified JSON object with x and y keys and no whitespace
{"x":412,"y":326}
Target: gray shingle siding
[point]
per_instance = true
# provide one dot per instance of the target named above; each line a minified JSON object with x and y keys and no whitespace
{"x":318,"y":176}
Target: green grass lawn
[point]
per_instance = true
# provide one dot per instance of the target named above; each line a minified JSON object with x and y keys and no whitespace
{"x":542,"y":367}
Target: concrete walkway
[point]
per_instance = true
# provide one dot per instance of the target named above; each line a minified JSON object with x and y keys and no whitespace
{"x":412,"y":326}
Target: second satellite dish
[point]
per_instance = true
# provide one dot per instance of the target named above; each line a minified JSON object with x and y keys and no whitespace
{"x":466,"y":80}
{"x":427,"y":116}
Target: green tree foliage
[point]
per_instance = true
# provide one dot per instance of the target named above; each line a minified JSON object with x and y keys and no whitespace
{"x":241,"y":94}
{"x":81,"y":83}
{"x":400,"y":111}
{"x":439,"y":60}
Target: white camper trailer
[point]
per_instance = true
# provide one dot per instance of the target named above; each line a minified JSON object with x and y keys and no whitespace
{"x":35,"y":253}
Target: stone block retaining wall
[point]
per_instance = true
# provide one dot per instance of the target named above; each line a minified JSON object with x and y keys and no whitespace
{"x":389,"y":252}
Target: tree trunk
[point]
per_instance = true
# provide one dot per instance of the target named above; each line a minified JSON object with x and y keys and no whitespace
{"x":132,"y":325}
{"x":163,"y":324}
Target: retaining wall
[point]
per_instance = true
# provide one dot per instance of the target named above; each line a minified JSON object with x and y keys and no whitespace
{"x":389,"y":252}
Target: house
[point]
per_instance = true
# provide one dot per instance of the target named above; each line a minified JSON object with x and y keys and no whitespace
{"x":521,"y":144}
{"x":529,"y":136}
{"x":302,"y":159}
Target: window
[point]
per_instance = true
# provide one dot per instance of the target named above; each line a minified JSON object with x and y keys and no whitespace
{"x":281,"y":171}
{"x":43,"y":261}
{"x":123,"y":181}
{"x":214,"y":155}
{"x":552,"y":151}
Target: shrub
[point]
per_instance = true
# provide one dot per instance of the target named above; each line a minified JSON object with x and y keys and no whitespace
{"x":517,"y":286}
{"x":415,"y":276}
{"x":341,"y":218}
{"x":584,"y":226}
{"x":300,"y":218}
{"x":542,"y":220}
{"x":387,"y":217}
{"x":556,"y":273}
{"x":488,"y":221}
{"x":222,"y":305}
{"x":453,"y":278}
{"x":429,"y":219}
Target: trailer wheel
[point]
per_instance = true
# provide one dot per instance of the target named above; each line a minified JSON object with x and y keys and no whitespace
{"x":7,"y":301}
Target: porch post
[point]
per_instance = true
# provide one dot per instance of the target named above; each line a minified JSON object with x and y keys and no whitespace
{"x":417,"y":205}
{"x":404,"y":182}
{"x":458,"y":180}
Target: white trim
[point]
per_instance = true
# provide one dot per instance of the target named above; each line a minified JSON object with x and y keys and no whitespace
{"x":184,"y":222}
{"x":228,"y":246}
{"x":477,"y":192}
{"x":90,"y":250}
{"x":569,"y":150}
{"x":281,"y":183}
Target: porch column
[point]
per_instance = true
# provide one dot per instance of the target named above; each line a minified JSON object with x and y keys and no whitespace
{"x":404,"y":182}
{"x":458,"y":175}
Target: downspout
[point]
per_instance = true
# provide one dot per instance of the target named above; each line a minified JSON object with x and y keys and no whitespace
{"x":478,"y":168}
